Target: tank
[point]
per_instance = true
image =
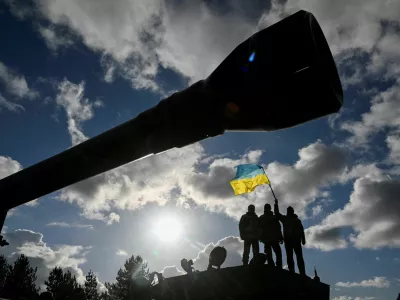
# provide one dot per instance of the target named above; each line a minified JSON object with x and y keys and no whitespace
{"x":280,"y":77}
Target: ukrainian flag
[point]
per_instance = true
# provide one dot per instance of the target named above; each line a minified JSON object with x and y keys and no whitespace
{"x":248,"y":176}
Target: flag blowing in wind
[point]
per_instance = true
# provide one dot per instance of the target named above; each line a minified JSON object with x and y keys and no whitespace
{"x":247,"y":177}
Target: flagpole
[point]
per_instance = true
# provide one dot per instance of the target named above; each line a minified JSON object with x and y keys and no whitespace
{"x":270,"y":186}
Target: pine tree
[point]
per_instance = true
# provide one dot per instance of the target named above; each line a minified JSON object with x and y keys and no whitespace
{"x":63,"y":285}
{"x":20,"y":280}
{"x":105,"y":296}
{"x":3,"y":271}
{"x":91,"y":287}
{"x":125,"y":287}
{"x":55,"y":283}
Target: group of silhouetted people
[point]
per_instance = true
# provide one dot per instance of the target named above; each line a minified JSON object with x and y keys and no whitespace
{"x":267,"y":229}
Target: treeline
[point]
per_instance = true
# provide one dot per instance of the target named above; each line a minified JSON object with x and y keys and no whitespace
{"x":18,"y":282}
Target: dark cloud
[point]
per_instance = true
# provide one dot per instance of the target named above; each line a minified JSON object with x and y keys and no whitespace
{"x":372,"y":214}
{"x":325,"y":239}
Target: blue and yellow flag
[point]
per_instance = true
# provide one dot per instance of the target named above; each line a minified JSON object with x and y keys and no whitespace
{"x":247,"y":178}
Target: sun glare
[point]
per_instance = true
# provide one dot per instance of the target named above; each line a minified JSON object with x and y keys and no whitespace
{"x":168,"y":229}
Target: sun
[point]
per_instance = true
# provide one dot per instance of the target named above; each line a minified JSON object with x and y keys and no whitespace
{"x":168,"y":229}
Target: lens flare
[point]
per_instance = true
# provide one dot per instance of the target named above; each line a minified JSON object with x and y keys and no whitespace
{"x":252,"y":56}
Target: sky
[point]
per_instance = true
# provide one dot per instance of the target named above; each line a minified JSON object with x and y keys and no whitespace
{"x":70,"y":70}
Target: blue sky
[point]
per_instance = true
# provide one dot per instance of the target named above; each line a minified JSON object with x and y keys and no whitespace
{"x":69,"y":71}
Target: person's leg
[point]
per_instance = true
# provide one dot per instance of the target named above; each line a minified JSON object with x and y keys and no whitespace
{"x":289,"y":256}
{"x":256,"y":247}
{"x":278,"y":254}
{"x":299,"y":258}
{"x":268,"y":253}
{"x":246,"y":252}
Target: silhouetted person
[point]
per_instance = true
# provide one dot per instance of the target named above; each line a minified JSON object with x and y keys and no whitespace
{"x":249,"y":233}
{"x":293,"y":235}
{"x":271,"y":236}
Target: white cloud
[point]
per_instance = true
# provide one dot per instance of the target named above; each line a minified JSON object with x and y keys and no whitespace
{"x":377,"y":282}
{"x":234,"y":249}
{"x":351,"y":69}
{"x":55,"y":40}
{"x":361,"y":34}
{"x":393,"y":143}
{"x":78,"y":109}
{"x":377,"y":258}
{"x":157,"y":178}
{"x":113,"y":218}
{"x":8,"y":166}
{"x":385,"y":59}
{"x":316,"y":210}
{"x":384,"y":114}
{"x":131,"y":186}
{"x":14,"y":107}
{"x":171,"y":271}
{"x":15,"y":84}
{"x":362,"y":170}
{"x":121,"y":252}
{"x":109,"y":67}
{"x":68,"y":225}
{"x":32,"y":203}
{"x":140,"y":36}
{"x":45,"y":258}
{"x":353,"y":298}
